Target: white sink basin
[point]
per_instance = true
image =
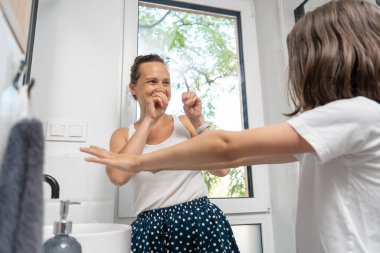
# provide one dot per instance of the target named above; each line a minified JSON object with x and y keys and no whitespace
{"x":98,"y":237}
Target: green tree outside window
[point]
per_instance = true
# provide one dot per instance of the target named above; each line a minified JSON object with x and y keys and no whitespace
{"x":200,"y":50}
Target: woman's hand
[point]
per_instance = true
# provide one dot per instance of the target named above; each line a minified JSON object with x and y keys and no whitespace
{"x":156,"y":105}
{"x":124,"y":162}
{"x":192,"y":105}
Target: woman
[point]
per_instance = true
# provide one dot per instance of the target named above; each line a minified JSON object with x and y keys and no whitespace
{"x":173,"y":211}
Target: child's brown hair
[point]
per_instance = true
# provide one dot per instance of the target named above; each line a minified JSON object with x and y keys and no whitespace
{"x":334,"y":53}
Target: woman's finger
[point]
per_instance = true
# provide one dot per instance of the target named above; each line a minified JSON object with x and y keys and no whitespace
{"x":161,"y":99}
{"x":87,"y":150}
{"x":93,"y":160}
{"x":94,"y":150}
{"x":187,"y":95}
{"x":103,"y":161}
{"x":158,"y":101}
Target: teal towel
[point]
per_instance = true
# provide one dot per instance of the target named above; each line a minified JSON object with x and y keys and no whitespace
{"x":21,"y":194}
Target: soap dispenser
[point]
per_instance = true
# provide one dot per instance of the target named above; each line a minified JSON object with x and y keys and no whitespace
{"x":62,"y":242}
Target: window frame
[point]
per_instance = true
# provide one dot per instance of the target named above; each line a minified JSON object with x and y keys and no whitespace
{"x":241,"y":72}
{"x":260,"y":202}
{"x":265,"y":223}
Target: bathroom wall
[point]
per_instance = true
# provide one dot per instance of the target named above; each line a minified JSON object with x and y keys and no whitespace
{"x":76,"y":95}
{"x":274,"y":20}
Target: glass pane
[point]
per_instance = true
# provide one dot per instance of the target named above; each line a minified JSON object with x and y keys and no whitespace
{"x":201,"y":51}
{"x":248,"y":238}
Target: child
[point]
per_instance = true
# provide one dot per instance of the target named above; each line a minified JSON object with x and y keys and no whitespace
{"x":334,"y":83}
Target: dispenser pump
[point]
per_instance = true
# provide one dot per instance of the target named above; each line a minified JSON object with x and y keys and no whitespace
{"x":63,"y":226}
{"x":62,"y":242}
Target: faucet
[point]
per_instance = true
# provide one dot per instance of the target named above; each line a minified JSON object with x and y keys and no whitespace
{"x":53,"y":185}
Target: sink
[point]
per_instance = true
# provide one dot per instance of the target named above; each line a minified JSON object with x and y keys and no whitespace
{"x":98,"y":237}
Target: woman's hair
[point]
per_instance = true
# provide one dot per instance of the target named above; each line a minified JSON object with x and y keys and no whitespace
{"x":135,"y":73}
{"x":334,"y":53}
{"x":135,"y":68}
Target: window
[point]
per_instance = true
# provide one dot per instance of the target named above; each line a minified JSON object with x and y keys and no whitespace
{"x":248,"y":237}
{"x":247,"y":111}
{"x":249,"y":214}
{"x":201,"y":48}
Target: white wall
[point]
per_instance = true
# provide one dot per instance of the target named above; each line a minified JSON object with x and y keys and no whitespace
{"x":312,"y":4}
{"x":77,"y":67}
{"x":273,"y":22}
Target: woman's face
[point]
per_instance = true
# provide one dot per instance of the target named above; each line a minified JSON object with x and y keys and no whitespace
{"x":154,"y":77}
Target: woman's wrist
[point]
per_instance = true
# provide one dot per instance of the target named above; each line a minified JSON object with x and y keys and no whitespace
{"x":202,"y":127}
{"x":197,"y":122}
{"x":148,"y":121}
{"x":138,"y":164}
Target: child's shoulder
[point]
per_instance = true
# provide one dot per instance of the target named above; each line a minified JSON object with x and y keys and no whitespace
{"x":367,"y":102}
{"x":360,"y":109}
{"x":357,"y":100}
{"x":358,"y":105}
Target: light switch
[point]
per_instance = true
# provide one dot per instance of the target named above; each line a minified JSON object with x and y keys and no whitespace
{"x":66,"y":130}
{"x":75,"y":130}
{"x":57,"y":130}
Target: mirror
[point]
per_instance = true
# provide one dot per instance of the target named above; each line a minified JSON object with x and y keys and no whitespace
{"x":82,"y":62}
{"x":82,"y":54}
{"x":81,"y":65}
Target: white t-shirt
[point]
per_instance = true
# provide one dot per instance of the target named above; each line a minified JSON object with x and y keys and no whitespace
{"x":166,"y":188}
{"x":338,"y":207}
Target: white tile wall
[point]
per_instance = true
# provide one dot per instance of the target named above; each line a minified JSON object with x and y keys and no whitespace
{"x":101,"y":212}
{"x":85,"y":212}
{"x":79,"y":181}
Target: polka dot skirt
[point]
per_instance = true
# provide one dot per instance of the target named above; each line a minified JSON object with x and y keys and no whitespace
{"x":194,"y":226}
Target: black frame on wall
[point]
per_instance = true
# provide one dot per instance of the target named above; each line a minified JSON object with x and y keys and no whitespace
{"x":299,"y":11}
